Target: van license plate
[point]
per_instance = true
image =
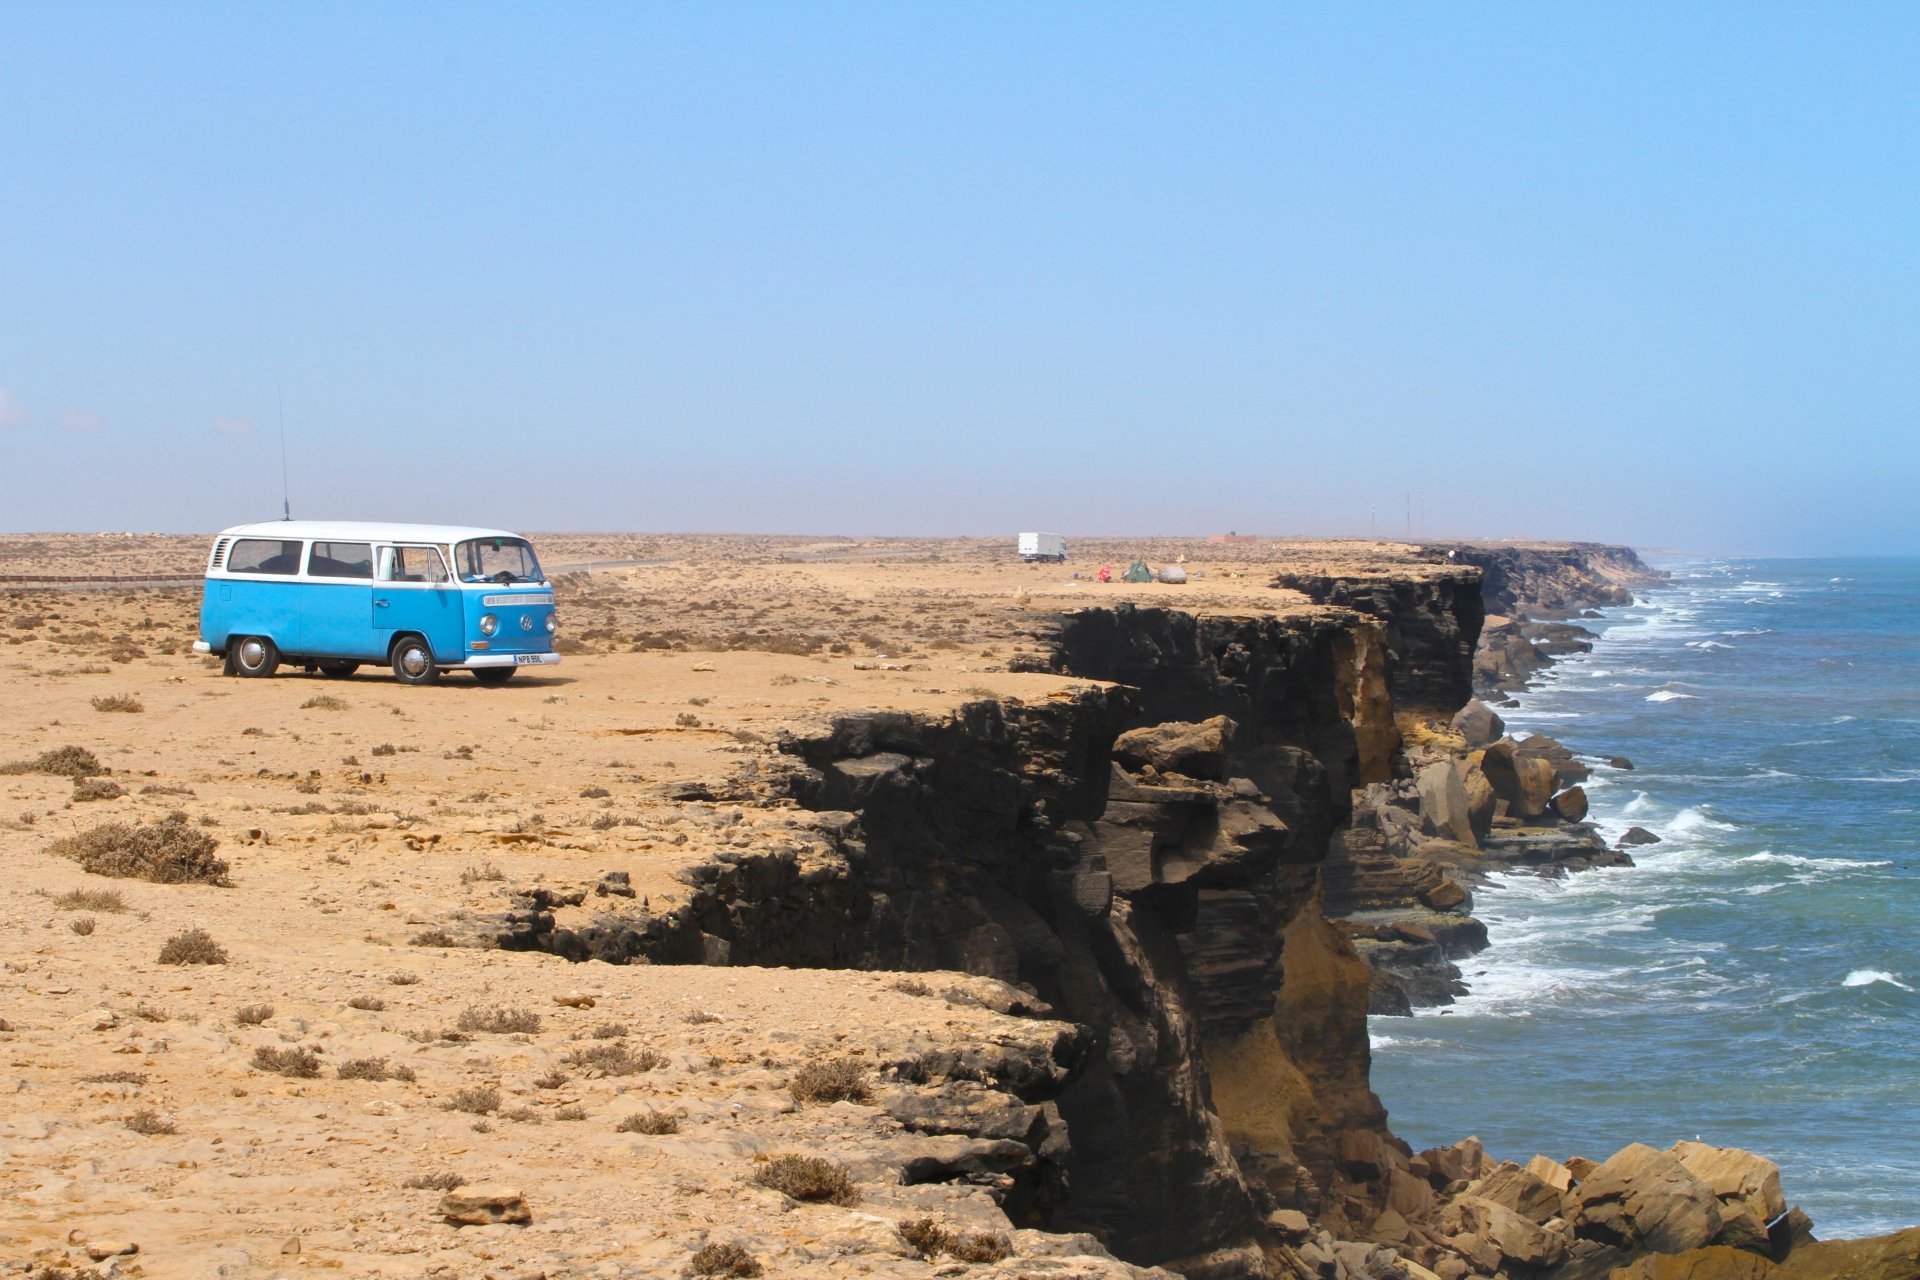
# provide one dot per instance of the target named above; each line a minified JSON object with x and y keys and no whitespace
{"x":524,"y":659}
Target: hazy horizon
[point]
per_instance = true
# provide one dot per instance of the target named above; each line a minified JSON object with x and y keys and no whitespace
{"x":1626,"y":273}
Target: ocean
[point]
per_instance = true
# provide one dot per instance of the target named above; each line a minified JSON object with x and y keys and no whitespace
{"x":1752,"y":982}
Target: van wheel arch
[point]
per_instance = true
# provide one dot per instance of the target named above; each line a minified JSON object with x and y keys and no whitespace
{"x":252,"y":656}
{"x":412,"y":659}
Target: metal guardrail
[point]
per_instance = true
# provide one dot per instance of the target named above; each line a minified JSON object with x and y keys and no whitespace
{"x":96,"y":579}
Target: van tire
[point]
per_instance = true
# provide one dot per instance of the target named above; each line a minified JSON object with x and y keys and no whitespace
{"x":252,"y":656}
{"x":413,"y":661}
{"x":338,"y":670}
{"x":494,"y":675}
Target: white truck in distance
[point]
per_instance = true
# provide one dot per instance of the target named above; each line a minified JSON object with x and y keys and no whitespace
{"x":1043,"y":546}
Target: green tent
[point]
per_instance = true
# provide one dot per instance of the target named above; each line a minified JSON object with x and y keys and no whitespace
{"x":1138,"y":572}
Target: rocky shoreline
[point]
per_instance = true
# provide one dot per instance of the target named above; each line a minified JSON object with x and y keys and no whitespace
{"x":1215,"y":864}
{"x":1476,"y":802}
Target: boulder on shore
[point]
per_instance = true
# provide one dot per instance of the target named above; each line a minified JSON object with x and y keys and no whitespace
{"x":1444,"y":808}
{"x":1645,"y":1200}
{"x":1524,"y":782}
{"x":1478,"y":724}
{"x":1566,"y":769}
{"x":1570,"y":805}
{"x":1638,"y":835}
{"x":1481,"y":801}
{"x":1196,"y":750}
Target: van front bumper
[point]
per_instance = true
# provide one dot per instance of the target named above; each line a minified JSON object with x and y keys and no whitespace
{"x":509,"y":660}
{"x":201,"y":646}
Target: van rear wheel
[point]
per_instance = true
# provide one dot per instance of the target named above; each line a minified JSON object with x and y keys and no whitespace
{"x":493,"y":675}
{"x":253,"y":656}
{"x":413,"y":661}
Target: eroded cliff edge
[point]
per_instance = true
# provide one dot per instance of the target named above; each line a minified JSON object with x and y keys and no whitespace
{"x":1148,"y":857}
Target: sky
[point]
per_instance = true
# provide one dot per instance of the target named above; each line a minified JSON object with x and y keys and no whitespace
{"x":1644,"y":273}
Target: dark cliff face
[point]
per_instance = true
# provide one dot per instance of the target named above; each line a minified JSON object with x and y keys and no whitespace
{"x":1556,"y":580}
{"x":1431,"y":627}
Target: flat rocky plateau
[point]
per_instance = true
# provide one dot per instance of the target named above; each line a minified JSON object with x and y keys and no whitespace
{"x":811,"y":848}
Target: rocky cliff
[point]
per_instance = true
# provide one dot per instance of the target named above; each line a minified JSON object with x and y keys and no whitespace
{"x":1150,"y":857}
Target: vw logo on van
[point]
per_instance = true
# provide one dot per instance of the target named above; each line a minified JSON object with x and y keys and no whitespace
{"x":526,"y":622}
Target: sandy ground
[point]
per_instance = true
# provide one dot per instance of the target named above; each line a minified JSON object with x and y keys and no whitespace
{"x":357,"y":814}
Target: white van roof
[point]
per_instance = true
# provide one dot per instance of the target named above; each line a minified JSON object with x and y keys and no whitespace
{"x":361,"y":531}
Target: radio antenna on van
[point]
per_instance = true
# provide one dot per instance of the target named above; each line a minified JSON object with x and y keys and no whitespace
{"x":286,"y":493}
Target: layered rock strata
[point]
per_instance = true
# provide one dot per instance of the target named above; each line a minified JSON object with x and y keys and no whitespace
{"x":1163,"y":860}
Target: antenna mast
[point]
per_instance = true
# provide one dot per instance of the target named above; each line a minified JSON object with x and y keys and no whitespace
{"x":286,"y":493}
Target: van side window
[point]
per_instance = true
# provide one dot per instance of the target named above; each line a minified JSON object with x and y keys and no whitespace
{"x":412,"y":564}
{"x":341,"y":560}
{"x":264,"y":555}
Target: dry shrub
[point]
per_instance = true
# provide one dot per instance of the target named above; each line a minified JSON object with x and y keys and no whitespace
{"x":371,"y":1004}
{"x":192,"y":946}
{"x":404,"y":978}
{"x":483,"y":871}
{"x":168,"y":852}
{"x":108,"y":900}
{"x":324,"y":702}
{"x":808,"y":1178}
{"x":552,"y":1080}
{"x":609,"y":1031}
{"x":116,"y":1077}
{"x":431,"y":938}
{"x":85,"y":789}
{"x":372,"y":1069}
{"x":445,"y":1180}
{"x":649,"y":1121}
{"x":127,"y":702}
{"x":699,"y":1017}
{"x":252,"y":1015}
{"x":300,"y":1063}
{"x":614,"y":1058}
{"x":65,"y":762}
{"x":723,"y":1260}
{"x":476,"y":1100}
{"x":838,"y":1080}
{"x":912,"y":987}
{"x":571,"y":1112}
{"x":149,"y":1122}
{"x":83,"y":926}
{"x":500,"y":1021}
{"x":929,"y":1239}
{"x":523,"y":1115}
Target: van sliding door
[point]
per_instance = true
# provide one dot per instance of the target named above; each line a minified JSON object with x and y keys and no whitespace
{"x":413,"y":592}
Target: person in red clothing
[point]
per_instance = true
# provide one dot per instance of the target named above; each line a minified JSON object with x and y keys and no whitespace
{"x":1106,"y":573}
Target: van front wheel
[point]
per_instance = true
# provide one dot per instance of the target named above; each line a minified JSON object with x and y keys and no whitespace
{"x":413,"y":661}
{"x":493,"y":675}
{"x":253,"y":656}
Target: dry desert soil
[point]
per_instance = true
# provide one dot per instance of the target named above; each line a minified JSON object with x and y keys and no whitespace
{"x":303,"y":1103}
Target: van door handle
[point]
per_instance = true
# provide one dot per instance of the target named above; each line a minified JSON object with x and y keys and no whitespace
{"x":379,"y":604}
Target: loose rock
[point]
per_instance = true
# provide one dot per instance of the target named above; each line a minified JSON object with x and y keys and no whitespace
{"x":484,"y":1204}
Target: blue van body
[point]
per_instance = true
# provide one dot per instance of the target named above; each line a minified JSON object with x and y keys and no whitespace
{"x":332,"y":595}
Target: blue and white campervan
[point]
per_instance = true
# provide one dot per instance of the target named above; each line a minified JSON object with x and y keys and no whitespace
{"x":421,"y":598}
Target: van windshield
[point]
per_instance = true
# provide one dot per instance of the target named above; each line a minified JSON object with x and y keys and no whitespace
{"x":496,"y":560}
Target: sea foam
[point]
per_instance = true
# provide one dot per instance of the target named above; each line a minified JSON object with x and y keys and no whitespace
{"x":1867,"y":977}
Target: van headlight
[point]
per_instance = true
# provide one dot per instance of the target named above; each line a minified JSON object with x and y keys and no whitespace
{"x":488,"y":624}
{"x":553,"y":624}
